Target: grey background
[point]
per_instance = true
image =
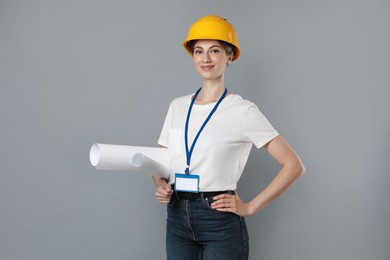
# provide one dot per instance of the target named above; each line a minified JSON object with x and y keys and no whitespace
{"x":77,"y":72}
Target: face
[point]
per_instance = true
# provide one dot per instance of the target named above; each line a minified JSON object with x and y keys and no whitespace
{"x":210,"y":59}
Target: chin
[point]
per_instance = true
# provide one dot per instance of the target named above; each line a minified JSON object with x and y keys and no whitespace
{"x":209,"y":76}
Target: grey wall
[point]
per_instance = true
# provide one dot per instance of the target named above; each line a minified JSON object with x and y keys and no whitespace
{"x":77,"y":72}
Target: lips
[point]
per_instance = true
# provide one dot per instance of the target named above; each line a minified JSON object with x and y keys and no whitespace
{"x":207,"y":67}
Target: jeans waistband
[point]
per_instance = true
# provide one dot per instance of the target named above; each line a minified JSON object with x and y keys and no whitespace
{"x":200,"y":195}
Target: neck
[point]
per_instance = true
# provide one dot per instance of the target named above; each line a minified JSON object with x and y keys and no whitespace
{"x":210,"y":93}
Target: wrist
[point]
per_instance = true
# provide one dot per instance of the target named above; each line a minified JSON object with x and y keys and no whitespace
{"x":253,"y":207}
{"x":250,"y":209}
{"x":158,"y":181}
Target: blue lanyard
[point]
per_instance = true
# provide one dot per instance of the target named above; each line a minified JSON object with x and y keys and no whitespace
{"x":189,"y":152}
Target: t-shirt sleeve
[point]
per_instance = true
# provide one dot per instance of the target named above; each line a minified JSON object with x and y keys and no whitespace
{"x":163,"y":139}
{"x":258,"y":129}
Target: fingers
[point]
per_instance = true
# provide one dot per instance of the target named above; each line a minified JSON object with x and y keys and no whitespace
{"x":230,"y":203}
{"x":224,"y":202}
{"x":163,"y":194}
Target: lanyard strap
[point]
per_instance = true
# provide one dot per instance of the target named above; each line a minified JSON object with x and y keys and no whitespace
{"x":189,"y":151}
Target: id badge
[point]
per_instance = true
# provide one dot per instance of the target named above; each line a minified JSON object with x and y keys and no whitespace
{"x":187,"y":183}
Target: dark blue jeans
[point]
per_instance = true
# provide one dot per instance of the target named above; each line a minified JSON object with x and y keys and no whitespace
{"x":195,"y":231}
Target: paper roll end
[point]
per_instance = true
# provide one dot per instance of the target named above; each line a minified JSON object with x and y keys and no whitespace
{"x":94,"y":154}
{"x":138,"y":160}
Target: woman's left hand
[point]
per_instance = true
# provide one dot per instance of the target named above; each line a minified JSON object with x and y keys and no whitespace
{"x":231,"y":203}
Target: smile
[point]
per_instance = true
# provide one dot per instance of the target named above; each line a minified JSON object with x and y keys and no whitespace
{"x":207,"y":68}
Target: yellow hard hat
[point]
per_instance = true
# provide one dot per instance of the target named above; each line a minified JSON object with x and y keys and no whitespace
{"x":213,"y":27}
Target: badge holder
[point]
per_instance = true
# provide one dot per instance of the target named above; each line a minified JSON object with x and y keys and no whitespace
{"x":187,"y":183}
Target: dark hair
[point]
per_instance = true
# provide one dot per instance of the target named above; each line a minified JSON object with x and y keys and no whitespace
{"x":229,"y":48}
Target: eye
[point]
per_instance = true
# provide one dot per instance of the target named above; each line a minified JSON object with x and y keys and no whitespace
{"x":198,"y":51}
{"x":215,"y":51}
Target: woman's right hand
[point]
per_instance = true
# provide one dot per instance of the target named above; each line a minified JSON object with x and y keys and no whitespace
{"x":163,"y":191}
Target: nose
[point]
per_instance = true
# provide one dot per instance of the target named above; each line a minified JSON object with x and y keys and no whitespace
{"x":206,"y":57}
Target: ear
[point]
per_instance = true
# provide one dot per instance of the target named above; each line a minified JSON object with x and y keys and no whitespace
{"x":228,"y":62}
{"x":230,"y":59}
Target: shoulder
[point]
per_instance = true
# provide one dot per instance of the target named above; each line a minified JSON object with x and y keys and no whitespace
{"x":240,"y":103}
{"x":179,"y":102}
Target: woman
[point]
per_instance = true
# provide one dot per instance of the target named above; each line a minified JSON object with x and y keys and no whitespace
{"x":210,"y":134}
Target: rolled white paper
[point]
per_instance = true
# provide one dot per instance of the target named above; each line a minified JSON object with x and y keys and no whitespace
{"x":154,"y":160}
{"x":149,"y":165}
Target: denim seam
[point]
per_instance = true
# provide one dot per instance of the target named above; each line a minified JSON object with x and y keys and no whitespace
{"x":243,"y":231}
{"x":188,"y":211}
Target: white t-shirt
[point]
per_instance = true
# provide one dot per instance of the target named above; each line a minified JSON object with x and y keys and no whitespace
{"x":223,"y":147}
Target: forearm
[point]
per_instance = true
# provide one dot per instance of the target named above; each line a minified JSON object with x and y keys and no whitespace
{"x":158,"y":181}
{"x":283,"y":180}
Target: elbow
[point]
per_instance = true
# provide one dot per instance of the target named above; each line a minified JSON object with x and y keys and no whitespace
{"x":297,"y":168}
{"x":303,"y":169}
{"x":300,"y":168}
